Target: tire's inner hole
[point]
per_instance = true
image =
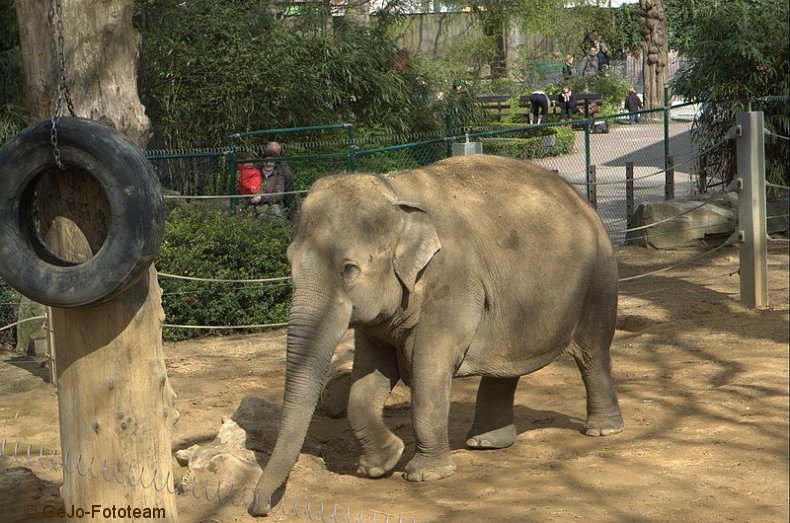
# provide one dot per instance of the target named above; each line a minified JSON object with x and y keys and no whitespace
{"x":65,"y":215}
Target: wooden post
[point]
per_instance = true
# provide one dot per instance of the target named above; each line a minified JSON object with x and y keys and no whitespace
{"x":592,"y":188}
{"x":115,"y":402}
{"x":629,"y":193}
{"x":669,"y":179}
{"x":53,"y":376}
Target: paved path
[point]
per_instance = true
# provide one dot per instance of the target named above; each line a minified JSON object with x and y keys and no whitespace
{"x":642,"y":144}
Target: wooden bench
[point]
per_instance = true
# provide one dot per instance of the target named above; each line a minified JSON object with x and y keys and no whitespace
{"x":582,"y":99}
{"x":495,"y":104}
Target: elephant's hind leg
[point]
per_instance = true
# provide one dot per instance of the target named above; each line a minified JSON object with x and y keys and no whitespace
{"x":493,"y":425}
{"x":590,"y":349}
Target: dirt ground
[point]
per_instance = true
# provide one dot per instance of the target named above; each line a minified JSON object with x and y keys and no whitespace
{"x":702,"y":382}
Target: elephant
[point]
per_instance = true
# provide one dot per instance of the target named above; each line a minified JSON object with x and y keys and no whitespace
{"x":471,"y":266}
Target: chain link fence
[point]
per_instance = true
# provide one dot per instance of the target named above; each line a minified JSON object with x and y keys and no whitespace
{"x":596,"y":154}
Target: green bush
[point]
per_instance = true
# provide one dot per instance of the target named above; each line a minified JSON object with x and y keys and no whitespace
{"x":208,"y":243}
{"x":9,"y":302}
{"x":543,"y":142}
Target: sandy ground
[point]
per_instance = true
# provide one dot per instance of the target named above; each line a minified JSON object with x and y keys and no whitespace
{"x":702,"y":382}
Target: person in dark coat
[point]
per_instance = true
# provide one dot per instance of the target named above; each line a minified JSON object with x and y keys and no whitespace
{"x":633,"y":104}
{"x":603,"y":58}
{"x":567,"y":103}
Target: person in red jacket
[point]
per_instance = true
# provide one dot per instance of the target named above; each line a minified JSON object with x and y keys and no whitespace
{"x":249,"y":177}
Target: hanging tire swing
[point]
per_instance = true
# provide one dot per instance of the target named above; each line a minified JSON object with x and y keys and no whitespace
{"x":131,"y":187}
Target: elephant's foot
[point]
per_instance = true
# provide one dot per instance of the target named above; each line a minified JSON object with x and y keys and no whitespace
{"x":423,"y":468}
{"x":493,"y":439}
{"x":259,"y":508}
{"x":604,"y":425}
{"x":381,"y":462}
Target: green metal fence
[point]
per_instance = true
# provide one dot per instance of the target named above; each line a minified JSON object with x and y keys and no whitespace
{"x":592,"y":153}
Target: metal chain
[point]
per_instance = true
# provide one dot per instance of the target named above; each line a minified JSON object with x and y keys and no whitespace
{"x":63,"y":89}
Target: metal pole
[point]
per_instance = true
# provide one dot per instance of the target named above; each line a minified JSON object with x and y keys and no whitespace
{"x":53,"y":375}
{"x":750,"y":150}
{"x":230,"y":157}
{"x":629,"y":193}
{"x":669,"y":179}
{"x":666,"y":127}
{"x":592,"y":188}
{"x":587,"y":150}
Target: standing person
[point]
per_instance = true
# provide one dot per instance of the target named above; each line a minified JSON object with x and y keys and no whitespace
{"x":567,"y":103}
{"x":568,"y":71}
{"x":538,"y":107}
{"x":270,"y":197}
{"x":590,"y":62}
{"x":603,"y":58}
{"x":275,"y":150}
{"x":633,"y":104}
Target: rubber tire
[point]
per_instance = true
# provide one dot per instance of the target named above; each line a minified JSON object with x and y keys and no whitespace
{"x":136,"y":208}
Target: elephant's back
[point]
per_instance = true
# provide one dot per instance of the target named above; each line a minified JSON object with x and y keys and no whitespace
{"x":499,"y":192}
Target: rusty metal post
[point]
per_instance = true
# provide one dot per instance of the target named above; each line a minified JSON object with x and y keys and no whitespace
{"x":629,"y":193}
{"x":592,"y":188}
{"x":669,"y":179}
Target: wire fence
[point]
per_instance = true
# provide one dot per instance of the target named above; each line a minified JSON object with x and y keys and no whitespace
{"x":642,"y":155}
{"x":660,"y":141}
{"x":139,"y":476}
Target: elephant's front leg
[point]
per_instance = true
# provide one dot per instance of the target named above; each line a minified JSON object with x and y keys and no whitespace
{"x":374,"y":374}
{"x":431,"y":386}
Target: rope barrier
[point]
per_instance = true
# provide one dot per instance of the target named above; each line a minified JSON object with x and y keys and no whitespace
{"x":769,"y":133}
{"x":228,"y":327}
{"x":731,"y":240}
{"x":34,"y":318}
{"x":226,"y":196}
{"x":135,"y":475}
{"x":220,"y":280}
{"x":769,"y":184}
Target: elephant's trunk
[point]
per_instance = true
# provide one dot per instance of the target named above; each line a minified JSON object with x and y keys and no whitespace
{"x":315,"y":327}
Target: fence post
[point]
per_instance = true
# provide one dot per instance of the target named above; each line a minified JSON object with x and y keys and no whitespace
{"x":750,"y":151}
{"x":666,"y":127}
{"x":592,"y":188}
{"x":53,"y":375}
{"x":629,"y":193}
{"x":587,"y":152}
{"x":448,"y":130}
{"x":669,"y":179}
{"x":230,"y":157}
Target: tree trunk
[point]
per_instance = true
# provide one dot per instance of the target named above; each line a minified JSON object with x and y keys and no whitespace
{"x":116,"y":404}
{"x":655,"y":50}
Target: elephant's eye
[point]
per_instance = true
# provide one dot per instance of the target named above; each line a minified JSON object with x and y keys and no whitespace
{"x":350,"y":272}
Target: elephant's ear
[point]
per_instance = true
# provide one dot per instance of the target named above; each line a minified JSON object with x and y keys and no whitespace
{"x":417,"y":243}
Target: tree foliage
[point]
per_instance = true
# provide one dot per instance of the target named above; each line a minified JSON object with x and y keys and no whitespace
{"x":738,"y":54}
{"x":211,"y":68}
{"x":13,"y":115}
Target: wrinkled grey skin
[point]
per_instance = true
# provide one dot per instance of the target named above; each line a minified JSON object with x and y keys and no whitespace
{"x":474,"y":265}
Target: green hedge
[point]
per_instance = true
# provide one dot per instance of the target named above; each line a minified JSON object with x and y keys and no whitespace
{"x":546,"y":141}
{"x":204,"y":242}
{"x":9,"y":303}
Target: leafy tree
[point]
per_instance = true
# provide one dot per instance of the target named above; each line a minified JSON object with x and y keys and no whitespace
{"x":13,"y":115}
{"x":211,"y":68}
{"x":731,"y":69}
